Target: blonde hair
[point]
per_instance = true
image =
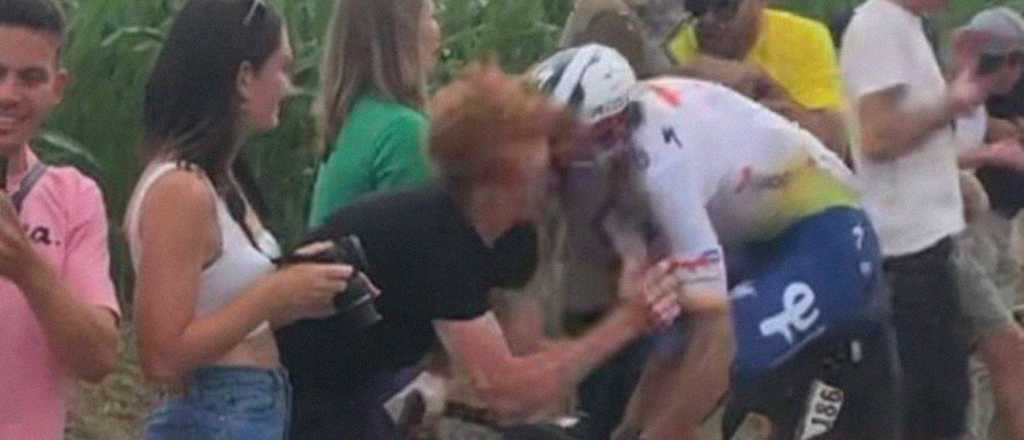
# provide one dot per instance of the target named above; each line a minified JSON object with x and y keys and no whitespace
{"x":371,"y":45}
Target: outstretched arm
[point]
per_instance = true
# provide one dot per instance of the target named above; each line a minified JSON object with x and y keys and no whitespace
{"x":520,"y":387}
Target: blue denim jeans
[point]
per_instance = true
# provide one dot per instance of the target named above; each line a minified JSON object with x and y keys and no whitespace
{"x":226,"y":403}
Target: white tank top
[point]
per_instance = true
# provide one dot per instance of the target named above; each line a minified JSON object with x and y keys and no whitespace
{"x":238,"y":264}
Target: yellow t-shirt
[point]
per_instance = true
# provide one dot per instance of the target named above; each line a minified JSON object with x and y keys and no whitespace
{"x":796,"y":52}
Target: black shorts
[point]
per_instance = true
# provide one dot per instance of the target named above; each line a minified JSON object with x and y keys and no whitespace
{"x":871,"y":409}
{"x":933,"y":338}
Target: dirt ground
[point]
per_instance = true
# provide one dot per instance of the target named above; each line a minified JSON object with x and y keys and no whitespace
{"x":115,"y":408}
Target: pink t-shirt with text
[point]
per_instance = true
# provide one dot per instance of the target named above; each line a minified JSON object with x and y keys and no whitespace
{"x":65,"y":219}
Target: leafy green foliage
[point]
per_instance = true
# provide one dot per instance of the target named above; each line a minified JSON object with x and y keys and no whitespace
{"x":518,"y":32}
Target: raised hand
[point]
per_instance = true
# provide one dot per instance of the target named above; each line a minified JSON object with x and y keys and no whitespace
{"x":663,"y":279}
{"x":968,"y":89}
{"x":644,"y":287}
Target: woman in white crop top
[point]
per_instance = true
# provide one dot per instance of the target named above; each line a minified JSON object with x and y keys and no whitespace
{"x":207,"y":293}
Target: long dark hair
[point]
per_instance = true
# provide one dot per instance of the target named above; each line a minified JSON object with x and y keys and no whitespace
{"x":191,"y":103}
{"x":191,"y":107}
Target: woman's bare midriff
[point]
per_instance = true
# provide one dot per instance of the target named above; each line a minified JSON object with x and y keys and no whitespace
{"x":259,"y":350}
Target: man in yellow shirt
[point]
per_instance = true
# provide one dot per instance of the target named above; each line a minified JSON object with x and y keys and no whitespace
{"x":782,"y":60}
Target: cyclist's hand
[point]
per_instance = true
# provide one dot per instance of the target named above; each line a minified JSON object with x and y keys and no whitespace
{"x":664,"y":280}
{"x":639,"y":290}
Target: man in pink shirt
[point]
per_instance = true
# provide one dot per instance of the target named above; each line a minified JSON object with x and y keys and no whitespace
{"x":58,"y":310}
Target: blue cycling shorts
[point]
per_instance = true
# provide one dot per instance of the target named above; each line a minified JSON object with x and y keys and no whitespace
{"x":819,"y":281}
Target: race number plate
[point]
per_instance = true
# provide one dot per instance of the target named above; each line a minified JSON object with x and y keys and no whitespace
{"x":823,"y":406}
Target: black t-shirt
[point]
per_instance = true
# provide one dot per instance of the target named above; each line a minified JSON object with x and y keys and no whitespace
{"x":1005,"y":186}
{"x":429,"y":263}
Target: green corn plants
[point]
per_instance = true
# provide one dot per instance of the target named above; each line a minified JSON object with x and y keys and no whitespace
{"x":110,"y":46}
{"x":518,"y":33}
{"x":113,"y":43}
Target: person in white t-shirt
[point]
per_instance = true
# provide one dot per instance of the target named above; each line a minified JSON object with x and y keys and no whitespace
{"x":906,"y":157}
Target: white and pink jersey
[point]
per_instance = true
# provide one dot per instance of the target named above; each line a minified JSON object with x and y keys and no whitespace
{"x":722,"y":170}
{"x":65,"y":219}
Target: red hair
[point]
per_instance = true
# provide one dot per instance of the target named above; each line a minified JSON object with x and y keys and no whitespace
{"x":483,"y":121}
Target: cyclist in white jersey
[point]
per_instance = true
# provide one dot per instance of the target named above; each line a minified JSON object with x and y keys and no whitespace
{"x":758,"y":218}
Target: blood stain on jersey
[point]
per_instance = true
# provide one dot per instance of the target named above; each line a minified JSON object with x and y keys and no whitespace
{"x":671,"y":97}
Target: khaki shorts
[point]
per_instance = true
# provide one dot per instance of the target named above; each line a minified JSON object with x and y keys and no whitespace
{"x":987,"y":260}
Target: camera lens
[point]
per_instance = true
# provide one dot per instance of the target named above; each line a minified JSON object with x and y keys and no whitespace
{"x":356,"y":305}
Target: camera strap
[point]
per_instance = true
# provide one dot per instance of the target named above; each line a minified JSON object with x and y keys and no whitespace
{"x":34,"y":174}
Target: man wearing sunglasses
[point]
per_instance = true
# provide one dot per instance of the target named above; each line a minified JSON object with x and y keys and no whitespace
{"x":779,"y":59}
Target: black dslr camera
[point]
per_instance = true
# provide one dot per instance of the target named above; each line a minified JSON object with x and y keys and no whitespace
{"x":355,"y":304}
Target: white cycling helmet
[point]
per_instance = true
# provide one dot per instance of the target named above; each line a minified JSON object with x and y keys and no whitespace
{"x":595,"y":81}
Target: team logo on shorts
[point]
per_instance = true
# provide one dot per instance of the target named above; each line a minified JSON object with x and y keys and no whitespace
{"x":799,"y":313}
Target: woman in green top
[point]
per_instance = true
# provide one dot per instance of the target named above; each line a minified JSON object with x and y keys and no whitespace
{"x":371,"y":109}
